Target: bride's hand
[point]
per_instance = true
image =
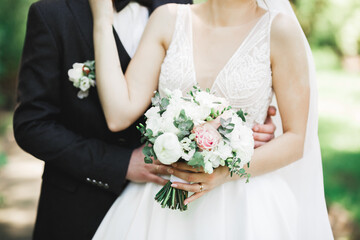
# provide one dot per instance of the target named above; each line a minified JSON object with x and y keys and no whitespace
{"x":202,"y":182}
{"x":102,"y":11}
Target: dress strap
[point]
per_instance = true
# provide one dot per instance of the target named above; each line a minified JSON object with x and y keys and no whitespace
{"x":181,"y":20}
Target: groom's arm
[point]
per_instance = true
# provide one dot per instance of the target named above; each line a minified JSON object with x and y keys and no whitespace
{"x":36,"y":126}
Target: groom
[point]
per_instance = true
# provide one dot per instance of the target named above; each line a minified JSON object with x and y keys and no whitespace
{"x":86,"y":165}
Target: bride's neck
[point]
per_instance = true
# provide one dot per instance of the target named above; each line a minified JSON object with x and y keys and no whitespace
{"x":230,"y":12}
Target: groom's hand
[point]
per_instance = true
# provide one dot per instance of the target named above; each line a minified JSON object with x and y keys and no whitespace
{"x":140,"y":172}
{"x":265,"y":132}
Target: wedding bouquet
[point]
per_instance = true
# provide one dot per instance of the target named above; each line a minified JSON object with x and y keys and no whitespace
{"x":200,"y":129}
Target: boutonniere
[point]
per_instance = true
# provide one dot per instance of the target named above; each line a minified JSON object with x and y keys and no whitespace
{"x":82,"y":75}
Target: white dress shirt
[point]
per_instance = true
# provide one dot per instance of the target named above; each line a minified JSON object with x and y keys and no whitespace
{"x":129,"y":24}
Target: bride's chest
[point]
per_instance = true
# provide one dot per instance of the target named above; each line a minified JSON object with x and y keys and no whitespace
{"x":246,"y":71}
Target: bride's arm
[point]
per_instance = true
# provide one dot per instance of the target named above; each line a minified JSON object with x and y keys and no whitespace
{"x":125,"y":97}
{"x":292,"y":89}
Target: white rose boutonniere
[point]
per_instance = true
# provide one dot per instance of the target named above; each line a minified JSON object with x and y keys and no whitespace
{"x":82,"y":75}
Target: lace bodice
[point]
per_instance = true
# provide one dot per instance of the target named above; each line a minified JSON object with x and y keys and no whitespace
{"x":245,"y":80}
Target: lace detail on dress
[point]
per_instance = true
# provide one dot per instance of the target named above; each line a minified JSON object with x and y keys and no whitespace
{"x":176,"y":72}
{"x":246,"y":79}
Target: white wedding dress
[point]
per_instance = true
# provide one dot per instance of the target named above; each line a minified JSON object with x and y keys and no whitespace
{"x":269,"y":207}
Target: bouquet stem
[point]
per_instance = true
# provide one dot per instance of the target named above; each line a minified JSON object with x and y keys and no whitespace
{"x":171,"y":197}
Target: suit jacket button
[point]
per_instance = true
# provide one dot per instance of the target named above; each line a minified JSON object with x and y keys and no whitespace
{"x":88,"y":179}
{"x":100,"y":184}
{"x":94,"y":182}
{"x":106,"y":186}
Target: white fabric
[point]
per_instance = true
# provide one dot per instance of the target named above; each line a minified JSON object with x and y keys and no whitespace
{"x":245,"y":80}
{"x":283,"y":205}
{"x":129,"y":24}
{"x":305,"y":176}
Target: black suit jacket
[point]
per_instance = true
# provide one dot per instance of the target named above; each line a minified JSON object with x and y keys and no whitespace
{"x":85,"y":163}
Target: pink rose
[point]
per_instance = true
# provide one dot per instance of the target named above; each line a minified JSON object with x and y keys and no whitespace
{"x":207,"y":137}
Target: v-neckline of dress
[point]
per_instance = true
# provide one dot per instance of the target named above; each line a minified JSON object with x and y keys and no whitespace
{"x":228,"y":61}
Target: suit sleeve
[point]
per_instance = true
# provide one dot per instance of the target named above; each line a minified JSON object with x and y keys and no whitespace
{"x":37,"y":127}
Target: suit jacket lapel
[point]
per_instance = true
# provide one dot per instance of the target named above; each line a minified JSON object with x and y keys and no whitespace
{"x":82,"y":13}
{"x":123,"y":55}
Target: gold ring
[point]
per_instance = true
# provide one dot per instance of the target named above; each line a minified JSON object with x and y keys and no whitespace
{"x":201,"y":187}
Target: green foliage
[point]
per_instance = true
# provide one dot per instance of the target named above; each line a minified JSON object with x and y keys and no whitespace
{"x":162,"y":103}
{"x":172,"y":198}
{"x":331,"y":23}
{"x":13,"y":15}
{"x":226,"y":127}
{"x":197,"y":160}
{"x":339,"y":130}
{"x":184,"y":124}
{"x":326,"y":58}
{"x":149,"y":139}
{"x":3,"y":159}
{"x":241,"y":115}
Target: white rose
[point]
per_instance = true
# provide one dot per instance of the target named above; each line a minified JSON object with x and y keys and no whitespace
{"x":154,"y":121}
{"x":82,"y":94}
{"x":84,"y":84}
{"x":188,"y":152}
{"x":223,"y":150}
{"x":153,"y":112}
{"x":211,"y":157}
{"x":167,"y":148}
{"x":205,"y":99}
{"x":242,"y":142}
{"x":197,"y":113}
{"x":155,"y":125}
{"x":167,"y":92}
{"x":188,"y":155}
{"x":185,"y":144}
{"x":76,"y":73}
{"x":176,"y":94}
{"x":172,"y":112}
{"x":208,"y":168}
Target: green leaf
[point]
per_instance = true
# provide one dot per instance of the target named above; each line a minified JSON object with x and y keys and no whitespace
{"x":241,"y":115}
{"x":197,"y":160}
{"x":192,"y":136}
{"x":147,"y":151}
{"x":148,"y":160}
{"x":184,"y":124}
{"x":164,"y":103}
{"x":149,"y":133}
{"x":193,"y":145}
{"x":156,"y":99}
{"x":3,"y":159}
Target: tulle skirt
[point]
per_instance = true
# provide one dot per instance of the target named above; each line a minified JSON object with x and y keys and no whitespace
{"x":265,"y":208}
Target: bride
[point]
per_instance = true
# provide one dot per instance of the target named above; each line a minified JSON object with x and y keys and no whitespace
{"x":243,"y":50}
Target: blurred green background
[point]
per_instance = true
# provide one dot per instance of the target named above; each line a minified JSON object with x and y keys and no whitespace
{"x":333,"y":30}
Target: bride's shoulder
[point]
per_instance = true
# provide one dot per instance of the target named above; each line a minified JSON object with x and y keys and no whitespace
{"x":165,"y":15}
{"x":285,"y":31}
{"x":166,"y":12}
{"x":162,"y":22}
